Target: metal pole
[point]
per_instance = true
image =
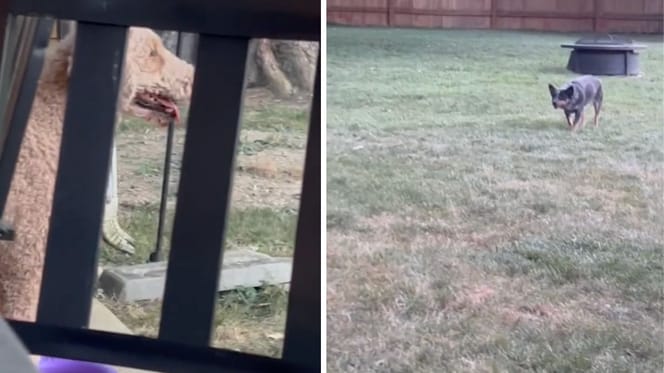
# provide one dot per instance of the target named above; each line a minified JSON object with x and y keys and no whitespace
{"x":157,"y":254}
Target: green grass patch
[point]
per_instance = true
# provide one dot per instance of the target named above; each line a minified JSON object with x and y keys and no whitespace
{"x":276,"y":118}
{"x":634,"y":269}
{"x":450,"y":173}
{"x":270,"y":231}
{"x":273,"y":117}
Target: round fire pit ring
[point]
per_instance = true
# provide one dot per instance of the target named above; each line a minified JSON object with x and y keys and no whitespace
{"x":604,"y":55}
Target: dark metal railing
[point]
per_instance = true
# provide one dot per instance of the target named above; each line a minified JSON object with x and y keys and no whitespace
{"x":196,"y":254}
{"x":157,"y":254}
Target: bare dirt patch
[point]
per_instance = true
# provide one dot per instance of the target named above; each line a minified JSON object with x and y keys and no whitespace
{"x":269,"y":176}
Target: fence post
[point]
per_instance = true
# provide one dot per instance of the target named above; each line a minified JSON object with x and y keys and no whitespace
{"x":595,"y":14}
{"x":390,"y":12}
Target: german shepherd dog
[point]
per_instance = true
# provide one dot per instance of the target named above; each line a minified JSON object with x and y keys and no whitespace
{"x":574,"y":96}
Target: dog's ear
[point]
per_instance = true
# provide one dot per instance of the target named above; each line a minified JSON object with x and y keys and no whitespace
{"x":552,"y":90}
{"x":569,"y":92}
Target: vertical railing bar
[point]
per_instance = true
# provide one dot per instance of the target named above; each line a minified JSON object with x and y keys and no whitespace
{"x":206,"y":176}
{"x":75,"y":225}
{"x":65,"y":27}
{"x":4,"y":17}
{"x":192,"y":46}
{"x":18,"y":46}
{"x":22,"y":86}
{"x":157,"y":255}
{"x":16,"y":28}
{"x":302,"y":343}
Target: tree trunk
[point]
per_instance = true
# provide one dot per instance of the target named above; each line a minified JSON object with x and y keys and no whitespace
{"x":271,"y":72}
{"x":188,"y":43}
{"x":285,"y":67}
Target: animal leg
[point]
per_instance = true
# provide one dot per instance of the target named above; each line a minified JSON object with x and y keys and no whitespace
{"x":598,"y":106}
{"x":579,"y":120}
{"x":113,"y":234}
{"x":568,"y":117}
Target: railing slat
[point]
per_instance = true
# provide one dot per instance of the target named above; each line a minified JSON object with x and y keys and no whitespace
{"x":284,"y":19}
{"x":141,"y":352}
{"x":75,"y":226}
{"x":302,"y":343}
{"x":204,"y":192}
{"x":18,"y":111}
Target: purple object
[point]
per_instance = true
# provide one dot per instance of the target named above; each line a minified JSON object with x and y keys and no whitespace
{"x":56,"y":365}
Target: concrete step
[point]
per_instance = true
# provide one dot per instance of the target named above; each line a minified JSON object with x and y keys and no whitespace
{"x":241,"y":268}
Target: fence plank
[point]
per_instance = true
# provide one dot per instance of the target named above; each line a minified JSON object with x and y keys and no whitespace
{"x":586,"y":15}
{"x":204,"y":192}
{"x":75,"y":228}
{"x":492,"y":23}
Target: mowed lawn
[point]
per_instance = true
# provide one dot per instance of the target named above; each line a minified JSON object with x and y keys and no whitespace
{"x":468,"y":229}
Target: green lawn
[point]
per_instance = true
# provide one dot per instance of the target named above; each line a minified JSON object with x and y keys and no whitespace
{"x":468,"y":229}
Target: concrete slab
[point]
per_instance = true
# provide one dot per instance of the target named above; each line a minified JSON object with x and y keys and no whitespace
{"x":101,"y":318}
{"x":13,"y":354}
{"x":241,"y":268}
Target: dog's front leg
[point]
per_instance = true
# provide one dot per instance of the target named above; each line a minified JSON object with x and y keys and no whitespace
{"x":568,"y":117}
{"x":579,"y":119}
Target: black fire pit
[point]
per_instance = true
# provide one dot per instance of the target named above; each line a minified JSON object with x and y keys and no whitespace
{"x":604,"y":55}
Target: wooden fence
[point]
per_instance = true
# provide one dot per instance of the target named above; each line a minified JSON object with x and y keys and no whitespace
{"x":627,"y":16}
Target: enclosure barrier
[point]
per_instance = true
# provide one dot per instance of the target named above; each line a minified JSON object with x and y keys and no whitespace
{"x":645,"y":16}
{"x":225,"y":30}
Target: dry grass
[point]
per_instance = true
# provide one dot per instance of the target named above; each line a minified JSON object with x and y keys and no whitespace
{"x":468,"y":230}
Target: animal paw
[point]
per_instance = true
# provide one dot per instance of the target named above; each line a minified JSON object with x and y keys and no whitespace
{"x":116,"y":237}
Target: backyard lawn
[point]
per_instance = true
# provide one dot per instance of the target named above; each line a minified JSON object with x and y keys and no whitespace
{"x":468,"y":229}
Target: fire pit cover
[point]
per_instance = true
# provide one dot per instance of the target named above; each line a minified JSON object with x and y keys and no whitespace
{"x":604,"y":55}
